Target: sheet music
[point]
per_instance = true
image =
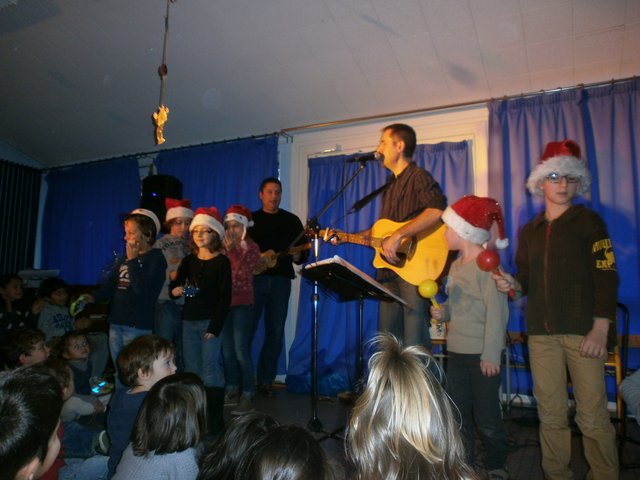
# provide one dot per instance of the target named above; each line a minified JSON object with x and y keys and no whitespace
{"x":336,"y":259}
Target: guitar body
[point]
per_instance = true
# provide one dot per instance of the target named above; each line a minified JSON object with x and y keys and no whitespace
{"x":423,"y":256}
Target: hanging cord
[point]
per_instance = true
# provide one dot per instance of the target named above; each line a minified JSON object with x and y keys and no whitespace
{"x":160,"y":117}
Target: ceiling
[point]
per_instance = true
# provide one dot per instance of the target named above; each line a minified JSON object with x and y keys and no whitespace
{"x":79,"y":81}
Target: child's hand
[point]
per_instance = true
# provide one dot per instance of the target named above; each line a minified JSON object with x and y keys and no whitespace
{"x":594,"y":343}
{"x":133,"y":250}
{"x":177,"y":291}
{"x":489,"y":369}
{"x":505,"y":282}
{"x":99,"y":406}
{"x":436,"y":313}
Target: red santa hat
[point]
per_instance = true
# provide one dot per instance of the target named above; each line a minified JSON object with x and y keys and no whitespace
{"x":563,"y":158}
{"x":240,"y":214}
{"x":150,"y":214}
{"x":471,"y":217}
{"x":208,"y":217}
{"x":177,"y":208}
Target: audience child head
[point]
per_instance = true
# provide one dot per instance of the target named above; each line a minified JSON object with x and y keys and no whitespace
{"x":285,"y":452}
{"x":30,"y":405}
{"x":74,"y":345}
{"x":54,"y":290}
{"x":173,"y":416}
{"x":221,"y":461}
{"x":145,"y":360}
{"x":179,"y":216}
{"x":11,"y":289}
{"x":59,"y":369}
{"x":24,"y":348}
{"x":403,"y":425}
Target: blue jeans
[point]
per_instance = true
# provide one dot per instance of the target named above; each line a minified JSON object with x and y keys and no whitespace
{"x":271,"y":294}
{"x":168,"y":324}
{"x":78,"y":440}
{"x":94,"y":468}
{"x":202,"y":357}
{"x":477,"y":398}
{"x":119,"y":336}
{"x":409,"y":323}
{"x":237,"y":336}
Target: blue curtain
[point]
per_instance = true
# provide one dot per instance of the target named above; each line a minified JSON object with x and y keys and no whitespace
{"x":222,"y":173}
{"x":605,"y":121}
{"x":82,"y":219}
{"x":451,"y":165}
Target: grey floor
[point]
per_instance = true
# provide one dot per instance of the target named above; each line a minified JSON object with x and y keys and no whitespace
{"x":521,"y":424}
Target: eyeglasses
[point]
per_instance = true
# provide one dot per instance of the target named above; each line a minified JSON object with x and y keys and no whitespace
{"x":554,"y":177}
{"x":204,"y":231}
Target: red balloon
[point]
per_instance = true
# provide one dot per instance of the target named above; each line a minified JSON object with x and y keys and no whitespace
{"x":488,"y":260}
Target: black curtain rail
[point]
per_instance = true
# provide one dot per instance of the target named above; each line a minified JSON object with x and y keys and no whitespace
{"x":451,"y":106}
{"x":153,"y":154}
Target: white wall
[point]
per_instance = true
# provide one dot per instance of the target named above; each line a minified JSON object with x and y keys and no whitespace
{"x":470,"y":123}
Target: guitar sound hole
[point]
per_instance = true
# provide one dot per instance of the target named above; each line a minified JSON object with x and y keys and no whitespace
{"x":400,"y":263}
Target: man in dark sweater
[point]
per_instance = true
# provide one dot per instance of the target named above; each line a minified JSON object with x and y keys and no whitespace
{"x":274,"y":229}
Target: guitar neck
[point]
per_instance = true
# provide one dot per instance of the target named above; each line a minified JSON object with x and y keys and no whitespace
{"x":359,"y":239}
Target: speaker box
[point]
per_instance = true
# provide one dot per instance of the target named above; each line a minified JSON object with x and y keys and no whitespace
{"x":155,"y":189}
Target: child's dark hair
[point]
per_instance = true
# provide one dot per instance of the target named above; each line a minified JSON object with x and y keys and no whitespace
{"x":286,"y":452}
{"x":50,"y":285}
{"x":30,"y":405}
{"x":221,"y":461}
{"x":173,"y":416}
{"x":139,"y":354}
{"x":7,"y":277}
{"x":20,"y":342}
{"x":145,"y":224}
{"x":58,"y":368}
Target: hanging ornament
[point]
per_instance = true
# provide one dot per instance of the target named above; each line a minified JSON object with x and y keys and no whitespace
{"x":161,"y":115}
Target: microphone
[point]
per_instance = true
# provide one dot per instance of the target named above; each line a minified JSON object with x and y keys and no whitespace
{"x":367,"y":157}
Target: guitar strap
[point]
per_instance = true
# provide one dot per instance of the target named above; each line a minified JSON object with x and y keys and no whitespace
{"x":357,"y":206}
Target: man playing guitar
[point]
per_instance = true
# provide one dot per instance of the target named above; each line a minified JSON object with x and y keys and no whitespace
{"x":413,"y":197}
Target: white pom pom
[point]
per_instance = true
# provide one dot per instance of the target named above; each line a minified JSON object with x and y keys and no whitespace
{"x":502,"y":243}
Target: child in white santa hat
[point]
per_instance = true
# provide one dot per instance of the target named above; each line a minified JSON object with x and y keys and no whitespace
{"x":237,"y":335}
{"x":175,"y":247}
{"x":204,"y":280}
{"x":477,"y":317}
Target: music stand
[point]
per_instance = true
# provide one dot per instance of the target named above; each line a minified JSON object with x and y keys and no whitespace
{"x":341,"y":279}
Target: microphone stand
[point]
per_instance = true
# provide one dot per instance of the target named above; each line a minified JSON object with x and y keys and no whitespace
{"x":314,"y":424}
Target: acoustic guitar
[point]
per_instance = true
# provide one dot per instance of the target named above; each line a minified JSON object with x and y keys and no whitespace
{"x":422,"y":257}
{"x":269,"y":258}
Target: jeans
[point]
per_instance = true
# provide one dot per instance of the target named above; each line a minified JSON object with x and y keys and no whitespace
{"x":119,"y":336}
{"x":237,"y":336}
{"x":168,"y":324}
{"x":550,"y":356}
{"x":78,"y":440}
{"x":477,"y":398}
{"x":94,"y":468}
{"x":409,"y":323}
{"x":202,"y":357}
{"x":271,"y":294}
{"x":99,"y":343}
